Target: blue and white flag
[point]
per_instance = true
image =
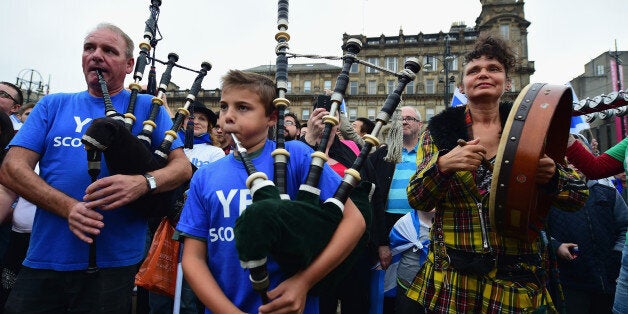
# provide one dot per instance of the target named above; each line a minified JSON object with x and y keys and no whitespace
{"x":459,"y":99}
{"x":408,"y":233}
{"x":343,"y":108}
{"x":577,"y":122}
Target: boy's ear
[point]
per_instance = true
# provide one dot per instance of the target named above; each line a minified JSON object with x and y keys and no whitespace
{"x":272,"y":119}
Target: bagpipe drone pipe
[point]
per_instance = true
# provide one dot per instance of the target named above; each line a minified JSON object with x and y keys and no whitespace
{"x":294,"y":232}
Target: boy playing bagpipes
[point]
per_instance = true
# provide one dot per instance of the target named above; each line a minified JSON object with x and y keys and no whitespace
{"x":218,"y":195}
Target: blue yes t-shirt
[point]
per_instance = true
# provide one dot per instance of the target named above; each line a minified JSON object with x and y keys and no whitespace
{"x":54,"y":130}
{"x":218,"y":195}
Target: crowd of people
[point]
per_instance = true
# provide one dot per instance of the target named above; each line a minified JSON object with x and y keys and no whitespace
{"x":430,"y":247}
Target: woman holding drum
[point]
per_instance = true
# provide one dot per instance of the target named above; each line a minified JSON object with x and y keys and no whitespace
{"x":472,"y":268}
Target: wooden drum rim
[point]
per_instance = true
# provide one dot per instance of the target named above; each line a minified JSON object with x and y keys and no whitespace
{"x":538,"y":124}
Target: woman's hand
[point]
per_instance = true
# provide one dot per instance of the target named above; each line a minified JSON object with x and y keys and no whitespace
{"x":546,"y":170}
{"x":462,"y":158}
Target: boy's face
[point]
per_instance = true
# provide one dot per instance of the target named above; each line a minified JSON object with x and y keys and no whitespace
{"x":243,"y":114}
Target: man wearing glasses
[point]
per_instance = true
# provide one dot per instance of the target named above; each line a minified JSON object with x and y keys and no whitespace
{"x":11,"y":99}
{"x":390,"y":201}
{"x":292,"y":126}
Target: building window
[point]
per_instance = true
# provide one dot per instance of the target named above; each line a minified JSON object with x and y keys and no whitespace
{"x":432,"y":61}
{"x":353,"y":88}
{"x":410,"y":88}
{"x":599,"y":70}
{"x":307,"y":87}
{"x":452,"y":63}
{"x":452,"y":88}
{"x":391,"y":63}
{"x":289,"y":88}
{"x":354,"y":68}
{"x":327,"y":85}
{"x":429,"y":86}
{"x":370,"y":113}
{"x":353,"y":114}
{"x":305,"y":114}
{"x":372,"y":87}
{"x":390,"y":86}
{"x":374,"y":61}
{"x":504,"y":30}
{"x":429,"y":113}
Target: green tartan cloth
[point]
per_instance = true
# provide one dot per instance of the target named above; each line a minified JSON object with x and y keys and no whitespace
{"x":295,"y":232}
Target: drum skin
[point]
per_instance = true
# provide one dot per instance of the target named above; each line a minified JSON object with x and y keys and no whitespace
{"x":538,"y":124}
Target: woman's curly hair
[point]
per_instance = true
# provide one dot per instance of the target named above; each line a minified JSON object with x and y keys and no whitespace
{"x":493,"y":47}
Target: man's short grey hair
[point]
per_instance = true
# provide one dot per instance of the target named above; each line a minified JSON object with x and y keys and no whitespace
{"x":418,"y":114}
{"x":127,"y":40}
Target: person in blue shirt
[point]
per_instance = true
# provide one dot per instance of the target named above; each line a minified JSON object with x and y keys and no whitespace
{"x":218,"y":195}
{"x":71,"y":210}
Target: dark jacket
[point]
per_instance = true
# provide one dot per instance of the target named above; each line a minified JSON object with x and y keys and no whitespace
{"x":599,"y":230}
{"x":379,"y":172}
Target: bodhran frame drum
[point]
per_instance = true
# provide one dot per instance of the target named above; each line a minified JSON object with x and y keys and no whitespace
{"x":538,"y":124}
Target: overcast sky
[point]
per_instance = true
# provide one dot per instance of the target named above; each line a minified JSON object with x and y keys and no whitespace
{"x":47,"y":35}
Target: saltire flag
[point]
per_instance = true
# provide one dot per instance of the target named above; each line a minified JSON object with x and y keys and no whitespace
{"x":407,"y":233}
{"x":577,"y":122}
{"x":343,"y":108}
{"x":459,"y":99}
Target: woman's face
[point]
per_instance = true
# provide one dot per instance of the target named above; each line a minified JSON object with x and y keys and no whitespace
{"x":484,"y":79}
{"x":201,"y":124}
{"x":24,"y":115}
{"x":217,"y":133}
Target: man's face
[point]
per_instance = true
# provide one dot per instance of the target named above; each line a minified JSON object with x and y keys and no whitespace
{"x":291,"y":131}
{"x":105,"y":50}
{"x":411,"y":122}
{"x":8,"y":97}
{"x":357,"y":126}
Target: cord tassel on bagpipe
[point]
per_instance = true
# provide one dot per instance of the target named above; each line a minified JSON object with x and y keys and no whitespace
{"x":352,"y":175}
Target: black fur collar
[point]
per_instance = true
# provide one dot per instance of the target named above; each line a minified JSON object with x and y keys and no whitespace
{"x":448,"y":126}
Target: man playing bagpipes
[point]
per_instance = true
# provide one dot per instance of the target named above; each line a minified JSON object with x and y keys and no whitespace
{"x":71,"y":209}
{"x":218,"y":195}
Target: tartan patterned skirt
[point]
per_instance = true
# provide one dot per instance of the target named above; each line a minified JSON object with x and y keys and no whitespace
{"x":449,"y":291}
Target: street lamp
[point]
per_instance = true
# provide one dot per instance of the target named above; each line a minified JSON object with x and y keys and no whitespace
{"x":447,"y":56}
{"x":32,"y":79}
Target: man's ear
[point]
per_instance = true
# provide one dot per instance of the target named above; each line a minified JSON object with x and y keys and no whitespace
{"x":129,"y":65}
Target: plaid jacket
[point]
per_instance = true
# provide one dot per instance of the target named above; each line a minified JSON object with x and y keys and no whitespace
{"x":454,"y":198}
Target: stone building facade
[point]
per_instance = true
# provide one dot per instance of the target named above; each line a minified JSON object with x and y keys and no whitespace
{"x":434,"y":85}
{"x":597,"y":80}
